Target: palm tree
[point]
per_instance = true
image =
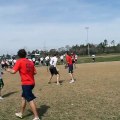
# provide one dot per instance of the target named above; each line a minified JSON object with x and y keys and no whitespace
{"x":113,"y":42}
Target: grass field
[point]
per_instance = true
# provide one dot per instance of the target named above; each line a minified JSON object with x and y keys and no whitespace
{"x":95,"y":95}
{"x":100,"y":58}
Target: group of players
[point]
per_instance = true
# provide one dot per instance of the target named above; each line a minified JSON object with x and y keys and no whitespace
{"x":5,"y":63}
{"x":70,"y":63}
{"x":27,"y":71}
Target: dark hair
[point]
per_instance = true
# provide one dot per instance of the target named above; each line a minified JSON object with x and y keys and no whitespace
{"x":22,"y":53}
{"x":68,"y":53}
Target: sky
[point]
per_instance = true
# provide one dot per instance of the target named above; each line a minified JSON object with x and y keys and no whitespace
{"x":49,"y":24}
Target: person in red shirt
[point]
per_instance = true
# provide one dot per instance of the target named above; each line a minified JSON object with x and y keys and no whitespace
{"x":70,"y":66}
{"x":27,"y":71}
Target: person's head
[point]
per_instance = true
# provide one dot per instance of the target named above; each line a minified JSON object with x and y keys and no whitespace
{"x":22,"y":53}
{"x":68,"y":53}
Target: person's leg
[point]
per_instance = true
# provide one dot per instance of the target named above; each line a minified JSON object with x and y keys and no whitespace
{"x":72,"y":78}
{"x":33,"y":108}
{"x":70,"y":70}
{"x":0,"y":92}
{"x":1,"y":86}
{"x":30,"y":98}
{"x":51,"y":74}
{"x":74,"y":65}
{"x":47,"y":66}
{"x":23,"y":105}
{"x":56,"y":72}
{"x":1,"y":98}
{"x":50,"y":79}
{"x":58,"y":77}
{"x":71,"y":73}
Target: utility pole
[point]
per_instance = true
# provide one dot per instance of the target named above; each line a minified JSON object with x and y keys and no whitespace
{"x":88,"y":47}
{"x":44,"y":45}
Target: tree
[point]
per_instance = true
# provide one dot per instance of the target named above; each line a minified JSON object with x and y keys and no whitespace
{"x":101,"y":47}
{"x":113,"y":42}
{"x":61,"y":49}
{"x":52,"y":51}
{"x":8,"y":56}
{"x":105,"y":43}
{"x":67,"y":47}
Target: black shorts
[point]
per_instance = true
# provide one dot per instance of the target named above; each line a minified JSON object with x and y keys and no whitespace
{"x":70,"y":68}
{"x":1,"y":83}
{"x":93,"y":59}
{"x":53,"y":70}
{"x":27,"y":92}
{"x":73,"y":61}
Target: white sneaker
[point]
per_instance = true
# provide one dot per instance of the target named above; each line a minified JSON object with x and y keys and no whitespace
{"x":58,"y":84}
{"x":72,"y":81}
{"x":36,"y":119}
{"x":18,"y":115}
{"x":1,"y":98}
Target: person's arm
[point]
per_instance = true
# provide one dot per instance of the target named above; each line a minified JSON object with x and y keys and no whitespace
{"x":15,"y":68}
{"x":35,"y":72}
{"x":11,"y":71}
{"x":66,"y":60}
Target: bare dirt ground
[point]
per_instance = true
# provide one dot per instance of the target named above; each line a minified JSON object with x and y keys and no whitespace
{"x":95,"y":95}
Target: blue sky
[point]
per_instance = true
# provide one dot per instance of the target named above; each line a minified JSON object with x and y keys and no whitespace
{"x":34,"y":24}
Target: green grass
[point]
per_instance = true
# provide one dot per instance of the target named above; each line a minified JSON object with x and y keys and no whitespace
{"x":99,"y":59}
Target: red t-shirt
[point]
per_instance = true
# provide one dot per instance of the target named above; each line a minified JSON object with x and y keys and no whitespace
{"x":69,"y":59}
{"x":26,"y":69}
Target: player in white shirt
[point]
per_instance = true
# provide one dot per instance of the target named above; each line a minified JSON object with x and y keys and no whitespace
{"x":93,"y":58}
{"x":3,"y":64}
{"x":14,"y":61}
{"x":42,"y":60}
{"x":62,"y":59}
{"x":53,"y":69}
{"x":76,"y":57}
{"x":33,"y":59}
{"x":47,"y":60}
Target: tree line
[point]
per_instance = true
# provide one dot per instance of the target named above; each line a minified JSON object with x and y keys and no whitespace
{"x":101,"y":48}
{"x":82,"y":50}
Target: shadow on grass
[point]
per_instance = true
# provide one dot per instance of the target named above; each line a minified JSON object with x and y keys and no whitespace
{"x":10,"y":93}
{"x":60,"y":81}
{"x":41,"y":111}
